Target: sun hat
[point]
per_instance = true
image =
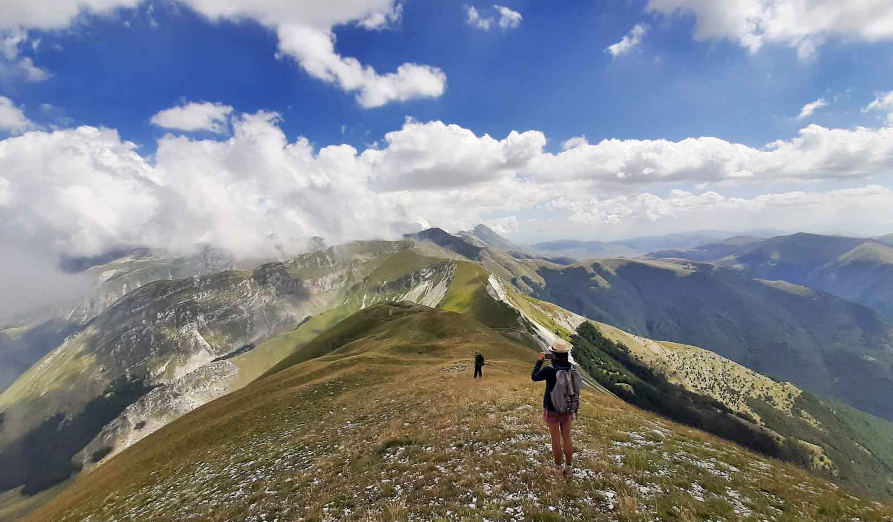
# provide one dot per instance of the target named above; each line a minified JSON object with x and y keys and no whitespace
{"x":560,"y":346}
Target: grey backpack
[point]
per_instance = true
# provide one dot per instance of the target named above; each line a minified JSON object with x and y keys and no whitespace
{"x":566,"y":393}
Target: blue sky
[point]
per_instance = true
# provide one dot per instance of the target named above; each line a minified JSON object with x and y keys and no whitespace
{"x":549,"y":74}
{"x":175,"y":123}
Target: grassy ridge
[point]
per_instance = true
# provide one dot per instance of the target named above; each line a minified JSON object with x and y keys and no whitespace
{"x":468,"y":295}
{"x":390,"y":426}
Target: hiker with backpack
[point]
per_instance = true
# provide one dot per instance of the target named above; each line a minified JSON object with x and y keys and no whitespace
{"x":478,"y":364}
{"x":561,"y":400}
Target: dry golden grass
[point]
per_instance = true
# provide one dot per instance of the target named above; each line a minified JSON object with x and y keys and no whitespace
{"x":393,"y":427}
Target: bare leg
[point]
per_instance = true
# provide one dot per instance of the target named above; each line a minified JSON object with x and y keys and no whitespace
{"x":568,"y":445}
{"x":554,"y":431}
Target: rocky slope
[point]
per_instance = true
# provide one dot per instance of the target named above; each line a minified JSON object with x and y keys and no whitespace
{"x":165,"y":337}
{"x":385,"y":423}
{"x":428,"y":283}
{"x":106,"y":280}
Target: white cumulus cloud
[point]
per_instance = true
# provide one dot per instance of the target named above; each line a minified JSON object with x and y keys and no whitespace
{"x":314,"y":50}
{"x":474,"y":19}
{"x":882,"y":103}
{"x":305,"y":31}
{"x":194,"y":116}
{"x":12,"y":119}
{"x":802,"y":24}
{"x":628,"y":42}
{"x":506,"y":225}
{"x":817,"y":153}
{"x":12,"y":64}
{"x":84,"y":191}
{"x":508,"y":19}
{"x":576,"y":141}
{"x":810,"y":108}
{"x":437,"y":155}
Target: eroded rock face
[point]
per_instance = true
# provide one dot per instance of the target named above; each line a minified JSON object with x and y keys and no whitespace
{"x":163,"y":332}
{"x":173,"y":336}
{"x":159,"y":407}
{"x":427,"y":286}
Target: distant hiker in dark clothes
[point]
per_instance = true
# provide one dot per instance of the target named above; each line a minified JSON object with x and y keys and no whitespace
{"x":561,"y":400}
{"x":478,"y":364}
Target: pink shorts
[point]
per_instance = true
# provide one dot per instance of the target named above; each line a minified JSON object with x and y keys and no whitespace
{"x":553,"y":417}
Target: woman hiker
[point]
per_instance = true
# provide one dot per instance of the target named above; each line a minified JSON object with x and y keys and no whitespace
{"x":559,"y":419}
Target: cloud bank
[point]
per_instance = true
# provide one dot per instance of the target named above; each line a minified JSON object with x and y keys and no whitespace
{"x":84,"y":191}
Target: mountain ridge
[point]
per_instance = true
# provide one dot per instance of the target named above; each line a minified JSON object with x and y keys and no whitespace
{"x":425,"y":272}
{"x":856,"y":269}
{"x":410,"y":436}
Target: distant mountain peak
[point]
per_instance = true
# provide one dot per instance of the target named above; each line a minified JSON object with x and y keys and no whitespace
{"x":490,"y":238}
{"x":456,"y":243}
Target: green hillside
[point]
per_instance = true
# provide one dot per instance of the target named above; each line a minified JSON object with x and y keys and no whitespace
{"x":775,"y":419}
{"x":702,"y":389}
{"x":856,"y":269}
{"x":822,"y":343}
{"x":387,"y":424}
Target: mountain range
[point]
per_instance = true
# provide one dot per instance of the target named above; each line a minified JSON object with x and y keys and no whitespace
{"x":173,"y":345}
{"x":378,"y":418}
{"x":857,"y":269}
{"x":821,"y":342}
{"x":635,"y":247}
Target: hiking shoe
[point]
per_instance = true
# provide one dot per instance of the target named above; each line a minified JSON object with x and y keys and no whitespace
{"x":568,"y":471}
{"x":553,"y":469}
